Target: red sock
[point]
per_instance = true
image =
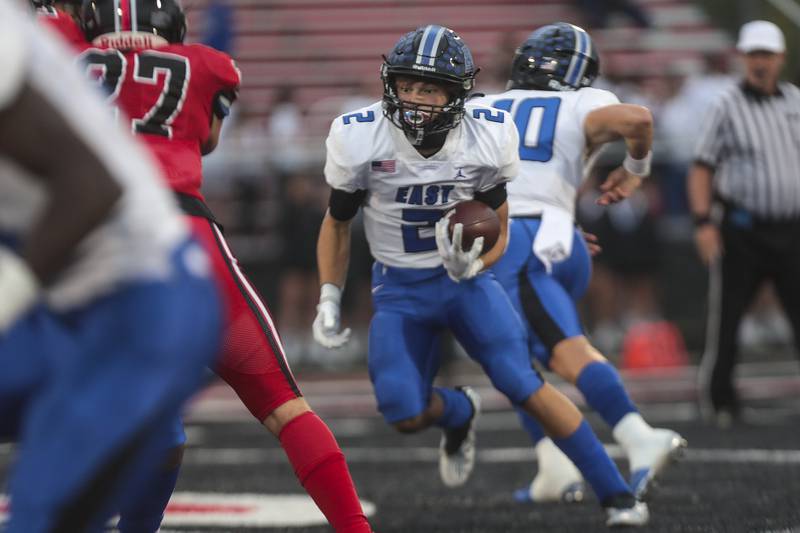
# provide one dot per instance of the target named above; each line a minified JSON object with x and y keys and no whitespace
{"x":319,"y":464}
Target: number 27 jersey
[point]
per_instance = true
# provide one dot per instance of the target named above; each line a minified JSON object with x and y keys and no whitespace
{"x":168,"y":94}
{"x":406,"y":192}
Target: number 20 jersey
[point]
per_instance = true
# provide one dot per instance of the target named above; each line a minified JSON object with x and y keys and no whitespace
{"x":167,"y":95}
{"x":553,"y":144}
{"x":406,"y":192}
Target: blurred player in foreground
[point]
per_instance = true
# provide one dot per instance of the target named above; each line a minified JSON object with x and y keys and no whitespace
{"x":108,"y":313}
{"x":175,"y":97}
{"x":546,"y":269}
{"x":407,"y":160}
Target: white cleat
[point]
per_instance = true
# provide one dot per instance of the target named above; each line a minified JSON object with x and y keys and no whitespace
{"x":558,"y":480}
{"x":635,"y":516}
{"x":573,"y":493}
{"x":649,"y":457}
{"x":457,"y":447}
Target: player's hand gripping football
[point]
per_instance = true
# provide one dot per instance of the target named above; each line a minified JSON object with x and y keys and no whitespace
{"x":459,"y":264}
{"x":327,"y":324}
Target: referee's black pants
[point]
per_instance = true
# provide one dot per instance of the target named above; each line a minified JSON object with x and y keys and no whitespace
{"x":755,"y":250}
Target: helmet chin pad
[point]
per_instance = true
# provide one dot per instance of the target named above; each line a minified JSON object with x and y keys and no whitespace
{"x":417,"y":118}
{"x":419,"y":121}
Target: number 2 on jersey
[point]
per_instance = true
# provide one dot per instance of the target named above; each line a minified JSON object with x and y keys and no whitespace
{"x":535,"y":119}
{"x":412,"y":242}
{"x":110,"y":67}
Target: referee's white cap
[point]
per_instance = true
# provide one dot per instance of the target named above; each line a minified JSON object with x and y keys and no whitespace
{"x":761,"y":35}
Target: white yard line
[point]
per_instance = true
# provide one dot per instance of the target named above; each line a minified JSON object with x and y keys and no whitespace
{"x":368,"y":455}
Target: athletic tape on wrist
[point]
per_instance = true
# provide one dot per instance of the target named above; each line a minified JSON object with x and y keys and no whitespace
{"x":329,"y":292}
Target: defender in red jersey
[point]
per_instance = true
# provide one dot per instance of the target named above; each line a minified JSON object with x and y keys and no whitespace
{"x":62,"y":17}
{"x":175,"y":97}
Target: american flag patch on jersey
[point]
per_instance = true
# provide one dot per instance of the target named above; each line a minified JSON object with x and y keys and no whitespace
{"x":384,"y":166}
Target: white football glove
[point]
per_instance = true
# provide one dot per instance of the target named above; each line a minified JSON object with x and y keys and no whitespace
{"x":19,"y":288}
{"x":458,"y":263}
{"x":326,"y":325}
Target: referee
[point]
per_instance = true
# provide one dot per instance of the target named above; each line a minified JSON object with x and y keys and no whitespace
{"x":744,"y":193}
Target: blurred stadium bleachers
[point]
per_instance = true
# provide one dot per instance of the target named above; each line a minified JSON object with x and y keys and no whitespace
{"x":327,"y":48}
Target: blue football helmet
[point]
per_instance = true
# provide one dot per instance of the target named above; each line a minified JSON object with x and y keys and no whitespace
{"x":436,"y":54}
{"x":556,"y":57}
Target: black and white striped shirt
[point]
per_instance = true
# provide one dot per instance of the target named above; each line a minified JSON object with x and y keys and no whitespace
{"x":752,"y":142}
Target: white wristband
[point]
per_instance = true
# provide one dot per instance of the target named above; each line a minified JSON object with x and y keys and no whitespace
{"x":19,"y":288}
{"x":638,"y":167}
{"x":330,"y":293}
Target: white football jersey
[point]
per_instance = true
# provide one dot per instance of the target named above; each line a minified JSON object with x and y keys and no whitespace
{"x":138,"y":241}
{"x":406,"y":192}
{"x":553,"y":148}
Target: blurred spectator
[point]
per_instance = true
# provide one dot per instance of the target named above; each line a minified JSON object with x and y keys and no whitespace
{"x":597,"y":12}
{"x":690,"y":96}
{"x":302,"y":208}
{"x":623,"y":291}
{"x":679,"y":115}
{"x":765,"y":328}
{"x":366,"y":93}
{"x":494,"y":77}
{"x":322,"y":111}
{"x":240,"y":152}
{"x":285,"y":120}
{"x":626,"y":84}
{"x":219,"y":32}
{"x":285,"y":131}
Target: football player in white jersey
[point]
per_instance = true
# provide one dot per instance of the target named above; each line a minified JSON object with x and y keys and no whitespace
{"x":108,"y":315}
{"x":407,"y":160}
{"x":561,"y":121}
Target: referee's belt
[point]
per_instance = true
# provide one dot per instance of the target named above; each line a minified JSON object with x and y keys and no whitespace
{"x":737,"y":216}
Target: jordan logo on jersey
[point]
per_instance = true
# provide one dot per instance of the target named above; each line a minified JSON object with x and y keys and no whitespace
{"x":459,"y":174}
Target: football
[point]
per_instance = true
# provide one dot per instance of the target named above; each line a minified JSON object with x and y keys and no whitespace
{"x":479,"y":220}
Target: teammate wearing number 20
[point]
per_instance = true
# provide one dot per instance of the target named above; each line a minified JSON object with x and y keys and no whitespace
{"x":561,"y":120}
{"x":406,"y":160}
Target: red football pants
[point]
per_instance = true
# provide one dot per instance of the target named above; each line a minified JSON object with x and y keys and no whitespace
{"x":253,"y":362}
